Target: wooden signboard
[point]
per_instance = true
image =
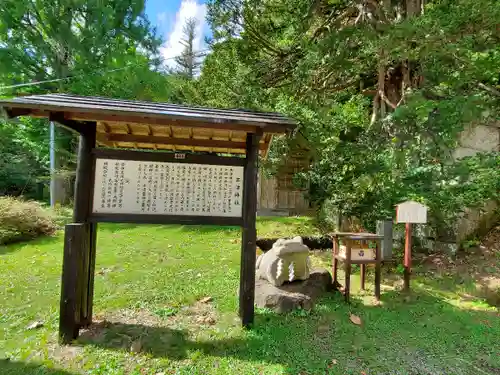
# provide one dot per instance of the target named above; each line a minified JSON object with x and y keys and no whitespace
{"x":154,"y":163}
{"x":158,"y":188}
{"x":410,"y":212}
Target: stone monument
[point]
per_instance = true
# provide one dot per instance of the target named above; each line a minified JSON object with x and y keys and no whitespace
{"x":288,"y":260}
{"x":284,"y":279}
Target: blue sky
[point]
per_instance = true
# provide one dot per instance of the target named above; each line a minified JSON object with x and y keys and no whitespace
{"x":169,"y":17}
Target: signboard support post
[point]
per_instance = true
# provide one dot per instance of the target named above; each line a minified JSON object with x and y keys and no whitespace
{"x":407,"y":257}
{"x":79,"y":250}
{"x":249,"y":232}
{"x":72,"y":286}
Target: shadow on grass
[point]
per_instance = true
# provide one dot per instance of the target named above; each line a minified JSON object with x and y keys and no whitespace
{"x":18,"y":368}
{"x":205,"y":229}
{"x":18,"y":245}
{"x":423,"y":335}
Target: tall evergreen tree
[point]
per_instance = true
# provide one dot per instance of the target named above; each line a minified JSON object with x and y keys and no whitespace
{"x":189,"y":61}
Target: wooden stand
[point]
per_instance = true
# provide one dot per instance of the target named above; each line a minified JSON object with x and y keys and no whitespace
{"x":349,"y":239}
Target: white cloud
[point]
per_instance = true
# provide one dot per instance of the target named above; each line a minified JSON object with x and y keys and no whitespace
{"x":173,"y":46}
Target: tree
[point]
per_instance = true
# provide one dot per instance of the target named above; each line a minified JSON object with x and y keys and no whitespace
{"x":189,"y":60}
{"x":93,"y":42}
{"x":381,"y":89}
{"x":43,"y":39}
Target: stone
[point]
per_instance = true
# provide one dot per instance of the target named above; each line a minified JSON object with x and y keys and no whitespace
{"x":294,"y":295}
{"x":136,"y":346}
{"x":34,"y":325}
{"x":288,"y":260}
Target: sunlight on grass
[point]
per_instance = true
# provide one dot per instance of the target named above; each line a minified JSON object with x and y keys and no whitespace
{"x":149,"y":281}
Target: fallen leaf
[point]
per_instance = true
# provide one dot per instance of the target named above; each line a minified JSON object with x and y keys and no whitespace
{"x":206,"y":299}
{"x":35,"y":325}
{"x":363,"y":373}
{"x":160,"y":373}
{"x":169,"y":246}
{"x":332,"y":363}
{"x":355,"y":319}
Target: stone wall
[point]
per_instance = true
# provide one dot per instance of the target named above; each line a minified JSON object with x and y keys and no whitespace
{"x":474,"y":139}
{"x":478,"y":138}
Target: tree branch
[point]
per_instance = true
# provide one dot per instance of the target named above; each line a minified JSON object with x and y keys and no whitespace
{"x":490,"y":89}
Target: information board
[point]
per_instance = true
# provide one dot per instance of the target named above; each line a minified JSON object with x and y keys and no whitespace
{"x":167,"y":188}
{"x":411,"y":212}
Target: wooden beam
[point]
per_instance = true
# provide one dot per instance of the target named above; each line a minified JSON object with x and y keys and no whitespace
{"x":166,"y":219}
{"x":159,"y":121}
{"x":16,"y":112}
{"x":78,"y":126}
{"x":167,"y":157}
{"x":249,"y":233}
{"x":133,"y":138}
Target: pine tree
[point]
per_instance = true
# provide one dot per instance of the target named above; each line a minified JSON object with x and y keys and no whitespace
{"x":189,"y":61}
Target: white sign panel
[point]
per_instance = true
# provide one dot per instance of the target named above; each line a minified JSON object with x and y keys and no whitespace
{"x":411,"y":212}
{"x":144,"y":187}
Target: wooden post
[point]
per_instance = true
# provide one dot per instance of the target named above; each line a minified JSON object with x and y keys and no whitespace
{"x":84,"y":178}
{"x":335,"y":261}
{"x":249,"y":232}
{"x":362,"y":275}
{"x":407,"y":258}
{"x":76,"y":242}
{"x":87,"y":319}
{"x":81,"y":213}
{"x":378,"y":269}
{"x":347,"y":268}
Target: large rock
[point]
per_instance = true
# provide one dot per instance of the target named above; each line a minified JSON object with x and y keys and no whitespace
{"x":294,"y":295}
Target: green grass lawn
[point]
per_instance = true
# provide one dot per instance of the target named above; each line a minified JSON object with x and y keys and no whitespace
{"x":149,"y":318}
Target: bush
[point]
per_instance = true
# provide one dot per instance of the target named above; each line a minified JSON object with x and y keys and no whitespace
{"x":22,"y":220}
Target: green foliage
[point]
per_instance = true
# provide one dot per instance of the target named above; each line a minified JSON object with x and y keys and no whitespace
{"x":21,"y":220}
{"x":107,"y":48}
{"x":380,"y":91}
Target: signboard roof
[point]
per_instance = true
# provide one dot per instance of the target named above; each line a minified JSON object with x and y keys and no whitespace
{"x":151,"y":125}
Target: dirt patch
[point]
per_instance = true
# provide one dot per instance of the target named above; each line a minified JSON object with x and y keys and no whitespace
{"x":199,"y":313}
{"x":477,"y":265}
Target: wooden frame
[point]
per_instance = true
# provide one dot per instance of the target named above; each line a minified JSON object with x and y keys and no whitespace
{"x":80,"y":237}
{"x":162,"y":156}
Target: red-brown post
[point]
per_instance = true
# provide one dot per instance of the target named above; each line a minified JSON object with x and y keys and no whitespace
{"x":407,"y":257}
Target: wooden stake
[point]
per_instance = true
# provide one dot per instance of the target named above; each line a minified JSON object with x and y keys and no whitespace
{"x":407,"y":258}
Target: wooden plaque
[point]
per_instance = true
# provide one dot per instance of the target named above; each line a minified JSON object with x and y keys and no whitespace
{"x":167,"y":188}
{"x":411,"y":212}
